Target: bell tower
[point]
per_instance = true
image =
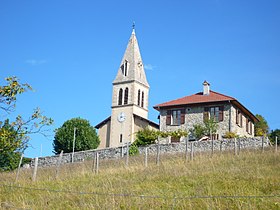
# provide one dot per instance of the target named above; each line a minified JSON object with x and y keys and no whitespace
{"x":130,"y":95}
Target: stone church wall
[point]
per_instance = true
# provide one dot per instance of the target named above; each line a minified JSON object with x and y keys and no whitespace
{"x":170,"y":148}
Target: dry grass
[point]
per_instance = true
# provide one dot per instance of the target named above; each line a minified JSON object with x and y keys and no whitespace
{"x":174,"y":184}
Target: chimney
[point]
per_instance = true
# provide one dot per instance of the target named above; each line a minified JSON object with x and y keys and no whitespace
{"x":206,"y":88}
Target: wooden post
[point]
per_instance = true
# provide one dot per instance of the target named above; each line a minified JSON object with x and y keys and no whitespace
{"x":276,"y":142}
{"x":35,"y":170}
{"x":235,"y":149}
{"x":127,"y":154}
{"x":58,"y":164}
{"x":239,"y":146}
{"x":122,"y":151}
{"x":146,"y":156}
{"x":187,"y":142}
{"x":158,"y":151}
{"x":221,"y":145}
{"x":74,"y":139}
{"x":20,"y":161}
{"x":192,"y":151}
{"x":212,"y":147}
{"x":96,"y":162}
{"x":263,"y":144}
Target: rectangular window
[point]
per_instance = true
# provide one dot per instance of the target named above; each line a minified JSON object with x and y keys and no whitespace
{"x":238,"y":117}
{"x":120,"y":138}
{"x":216,"y":113}
{"x":249,"y":127}
{"x":175,"y":117}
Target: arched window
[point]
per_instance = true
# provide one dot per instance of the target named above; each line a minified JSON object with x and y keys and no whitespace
{"x":138,"y":99}
{"x":142,"y":101}
{"x":126,"y":96}
{"x":120,"y":96}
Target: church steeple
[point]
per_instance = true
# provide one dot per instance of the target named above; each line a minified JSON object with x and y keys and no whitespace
{"x":132,"y":67}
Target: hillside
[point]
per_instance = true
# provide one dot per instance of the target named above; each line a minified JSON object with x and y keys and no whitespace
{"x":224,"y":181}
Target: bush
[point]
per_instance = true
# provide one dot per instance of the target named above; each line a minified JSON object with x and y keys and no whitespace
{"x":133,"y":149}
{"x":230,"y":135}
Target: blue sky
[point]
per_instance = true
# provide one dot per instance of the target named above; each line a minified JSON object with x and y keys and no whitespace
{"x":70,"y":51}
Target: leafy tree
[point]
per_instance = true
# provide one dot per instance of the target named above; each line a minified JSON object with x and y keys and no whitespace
{"x":261,"y":127}
{"x":198,"y":131}
{"x":209,"y":127}
{"x":146,"y":136}
{"x":85,"y":137}
{"x":273,"y":134}
{"x":14,"y":135}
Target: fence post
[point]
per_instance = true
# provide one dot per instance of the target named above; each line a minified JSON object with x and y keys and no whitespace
{"x":146,"y":156}
{"x":35,"y":170}
{"x":263,"y":144}
{"x":221,"y":145}
{"x":239,"y":146}
{"x":235,"y":149}
{"x":20,"y":161}
{"x":96,"y":162}
{"x":276,"y":142}
{"x":212,"y":147}
{"x":187,"y":143}
{"x":58,"y":164}
{"x":122,"y":151}
{"x":158,"y":150}
{"x":127,"y":154}
{"x":192,"y":152}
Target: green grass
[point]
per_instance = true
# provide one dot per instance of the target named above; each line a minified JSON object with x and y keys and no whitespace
{"x":174,"y":184}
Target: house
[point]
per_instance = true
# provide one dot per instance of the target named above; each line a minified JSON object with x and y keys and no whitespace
{"x":129,"y":100}
{"x":185,"y":112}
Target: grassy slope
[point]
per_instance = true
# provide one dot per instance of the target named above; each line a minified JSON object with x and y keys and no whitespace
{"x":250,"y":173}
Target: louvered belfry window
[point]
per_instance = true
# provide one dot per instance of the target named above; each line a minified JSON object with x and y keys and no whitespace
{"x":126,"y":96}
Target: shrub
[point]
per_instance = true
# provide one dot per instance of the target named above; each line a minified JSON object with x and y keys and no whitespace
{"x":230,"y":135}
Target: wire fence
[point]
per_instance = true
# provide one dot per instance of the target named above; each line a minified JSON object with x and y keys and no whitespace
{"x":169,"y":202}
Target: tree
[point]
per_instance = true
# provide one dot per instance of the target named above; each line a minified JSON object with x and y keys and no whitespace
{"x":209,"y":127}
{"x":273,"y":134}
{"x":85,"y":137}
{"x":261,"y":127}
{"x":15,"y":135}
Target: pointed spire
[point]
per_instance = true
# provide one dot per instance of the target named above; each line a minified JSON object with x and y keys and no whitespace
{"x":131,"y":67}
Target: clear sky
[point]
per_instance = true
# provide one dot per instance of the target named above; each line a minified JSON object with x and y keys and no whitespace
{"x":70,"y":51}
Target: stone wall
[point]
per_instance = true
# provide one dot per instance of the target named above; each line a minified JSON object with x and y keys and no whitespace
{"x":170,"y":148}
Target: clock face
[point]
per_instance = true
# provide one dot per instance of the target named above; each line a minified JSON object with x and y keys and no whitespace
{"x":121,"y":117}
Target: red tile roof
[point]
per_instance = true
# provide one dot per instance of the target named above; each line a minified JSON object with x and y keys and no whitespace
{"x":197,"y":99}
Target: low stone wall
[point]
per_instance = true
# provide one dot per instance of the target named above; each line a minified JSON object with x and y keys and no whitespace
{"x":170,"y":148}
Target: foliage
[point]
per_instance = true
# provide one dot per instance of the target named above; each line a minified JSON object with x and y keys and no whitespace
{"x":14,"y":136}
{"x":178,"y":133}
{"x":261,"y":127}
{"x":273,"y":134}
{"x":146,"y":136}
{"x":85,"y":137}
{"x":230,"y":135}
{"x":211,"y":126}
{"x":133,"y":149}
{"x":198,"y":131}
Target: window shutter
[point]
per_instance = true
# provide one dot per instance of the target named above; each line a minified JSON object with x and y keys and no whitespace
{"x":247,"y":126}
{"x":221,"y":113}
{"x":206,"y":114}
{"x":241,"y":119}
{"x":168,"y":117}
{"x":183,"y":114}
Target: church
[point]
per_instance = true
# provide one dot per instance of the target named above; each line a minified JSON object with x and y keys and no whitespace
{"x":129,"y":101}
